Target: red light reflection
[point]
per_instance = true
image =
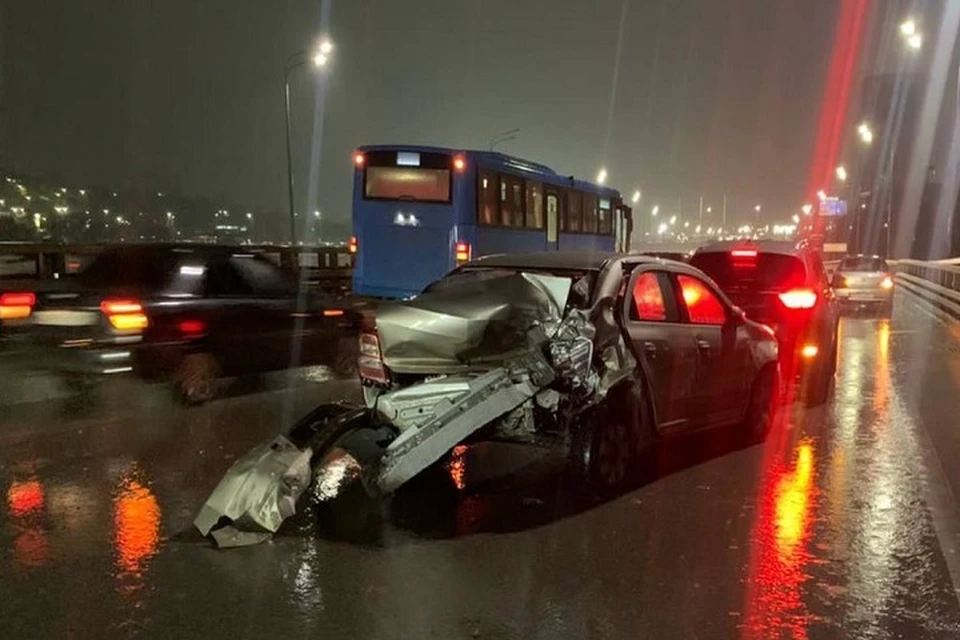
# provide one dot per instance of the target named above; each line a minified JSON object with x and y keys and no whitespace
{"x":24,"y":498}
{"x":136,"y":522}
{"x":777,"y":566}
{"x":457,"y":466}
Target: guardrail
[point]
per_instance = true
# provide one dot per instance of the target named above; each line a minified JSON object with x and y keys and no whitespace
{"x":937,"y":283}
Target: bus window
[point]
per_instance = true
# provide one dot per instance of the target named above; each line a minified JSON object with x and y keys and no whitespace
{"x":604,"y":218}
{"x":589,"y":213}
{"x":407,"y":183}
{"x":534,"y":205}
{"x":487,"y":211}
{"x":572,"y":218}
{"x":553,"y":215}
{"x":511,"y":201}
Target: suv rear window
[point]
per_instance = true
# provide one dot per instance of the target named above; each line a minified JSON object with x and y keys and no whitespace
{"x":863,"y":264}
{"x":763,"y":271}
{"x":126,"y":268}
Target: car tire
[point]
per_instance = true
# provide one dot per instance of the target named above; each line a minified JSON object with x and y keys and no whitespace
{"x":764,"y":398}
{"x":81,"y":384}
{"x":345,"y":360}
{"x":195,"y":380}
{"x":603,"y":450}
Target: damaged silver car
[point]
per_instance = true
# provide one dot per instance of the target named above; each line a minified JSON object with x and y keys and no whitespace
{"x":601,"y":354}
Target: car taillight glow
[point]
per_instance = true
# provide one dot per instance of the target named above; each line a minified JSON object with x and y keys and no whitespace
{"x":370,"y":361}
{"x":462,"y":251}
{"x":125,"y":314}
{"x":886,"y":283}
{"x":799,"y":298}
{"x":192,"y":328}
{"x":354,"y":245}
{"x":17,"y":306}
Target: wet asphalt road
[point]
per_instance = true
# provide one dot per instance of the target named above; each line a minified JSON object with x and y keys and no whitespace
{"x":843,"y":525}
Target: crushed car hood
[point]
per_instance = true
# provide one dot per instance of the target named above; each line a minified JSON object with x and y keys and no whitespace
{"x":473,"y":325}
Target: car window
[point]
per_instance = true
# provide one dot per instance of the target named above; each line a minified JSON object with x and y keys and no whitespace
{"x":130,"y":268}
{"x":702,"y":304}
{"x":648,"y":299}
{"x":262,"y":277}
{"x":756,"y":272}
{"x":863,"y":264}
{"x":223,"y":280}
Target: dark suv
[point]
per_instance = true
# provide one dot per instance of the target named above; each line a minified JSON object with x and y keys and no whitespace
{"x":783,"y":285}
{"x":192,"y":313}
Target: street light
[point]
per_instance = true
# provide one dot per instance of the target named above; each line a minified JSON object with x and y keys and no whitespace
{"x":822,"y":194}
{"x":655,"y":210}
{"x":915,"y":42}
{"x":757,"y":208}
{"x":807,"y":209}
{"x":636,"y":197}
{"x":319,"y":59}
{"x":673,"y":220}
{"x":842,"y":173}
{"x":796,"y":219}
{"x":908,"y":27}
{"x":709,"y":209}
{"x":865,"y":133}
{"x":602,"y":176}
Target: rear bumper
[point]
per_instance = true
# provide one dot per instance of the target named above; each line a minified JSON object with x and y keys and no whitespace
{"x":872,"y":296}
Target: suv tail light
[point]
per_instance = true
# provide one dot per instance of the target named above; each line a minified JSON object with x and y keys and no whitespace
{"x":125,"y":314}
{"x":799,"y":298}
{"x":463,"y":252}
{"x":370,"y":361}
{"x":17,"y":306}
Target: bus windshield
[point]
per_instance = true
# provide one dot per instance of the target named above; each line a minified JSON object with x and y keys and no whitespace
{"x":407,"y":175}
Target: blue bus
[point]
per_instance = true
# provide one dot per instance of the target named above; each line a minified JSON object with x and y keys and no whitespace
{"x":420,"y":211}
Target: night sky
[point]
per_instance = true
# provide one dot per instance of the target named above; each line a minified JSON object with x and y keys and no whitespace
{"x":710,"y":95}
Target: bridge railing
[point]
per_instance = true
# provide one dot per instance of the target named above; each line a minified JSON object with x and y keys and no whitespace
{"x":938,"y":283}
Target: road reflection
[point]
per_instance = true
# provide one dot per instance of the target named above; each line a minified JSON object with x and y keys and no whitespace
{"x":136,"y":522}
{"x":780,"y":554}
{"x":25,"y":501}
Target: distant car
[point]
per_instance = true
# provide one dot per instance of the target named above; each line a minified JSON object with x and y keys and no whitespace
{"x":784,"y":286}
{"x":864,"y":282}
{"x":192,"y":313}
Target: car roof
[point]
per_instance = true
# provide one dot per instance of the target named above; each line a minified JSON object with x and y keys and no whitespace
{"x":582,"y":260}
{"x":782,"y":247}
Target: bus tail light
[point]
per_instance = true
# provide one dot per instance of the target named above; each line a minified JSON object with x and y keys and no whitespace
{"x":463,"y":252}
{"x":370,"y":362}
{"x":358,"y":159}
{"x":17,"y":306}
{"x":799,"y":298}
{"x":125,"y":314}
{"x":354,"y":245}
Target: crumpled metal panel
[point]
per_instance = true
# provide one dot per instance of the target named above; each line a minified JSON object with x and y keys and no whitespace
{"x":416,"y":405}
{"x":258,"y":492}
{"x":466,"y":327}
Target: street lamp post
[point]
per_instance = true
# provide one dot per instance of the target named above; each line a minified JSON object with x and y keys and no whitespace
{"x":318,"y":59}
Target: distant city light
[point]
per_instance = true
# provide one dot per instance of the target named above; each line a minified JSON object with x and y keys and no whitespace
{"x":908,"y":27}
{"x":636,"y":197}
{"x":842,"y":173}
{"x":602,"y":176}
{"x":655,"y":210}
{"x":807,"y":209}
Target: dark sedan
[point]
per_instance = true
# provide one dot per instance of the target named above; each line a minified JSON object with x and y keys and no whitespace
{"x":189,"y":313}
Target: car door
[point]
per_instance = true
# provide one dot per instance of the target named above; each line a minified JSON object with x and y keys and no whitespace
{"x":248,"y":330}
{"x":662,"y":344}
{"x":721,"y":377}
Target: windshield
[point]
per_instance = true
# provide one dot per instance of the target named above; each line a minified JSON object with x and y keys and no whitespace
{"x":449,"y":311}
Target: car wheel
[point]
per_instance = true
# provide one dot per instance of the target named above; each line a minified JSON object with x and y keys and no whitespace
{"x":604,"y":450}
{"x":763,"y":404}
{"x":345,"y":361}
{"x":195,"y":381}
